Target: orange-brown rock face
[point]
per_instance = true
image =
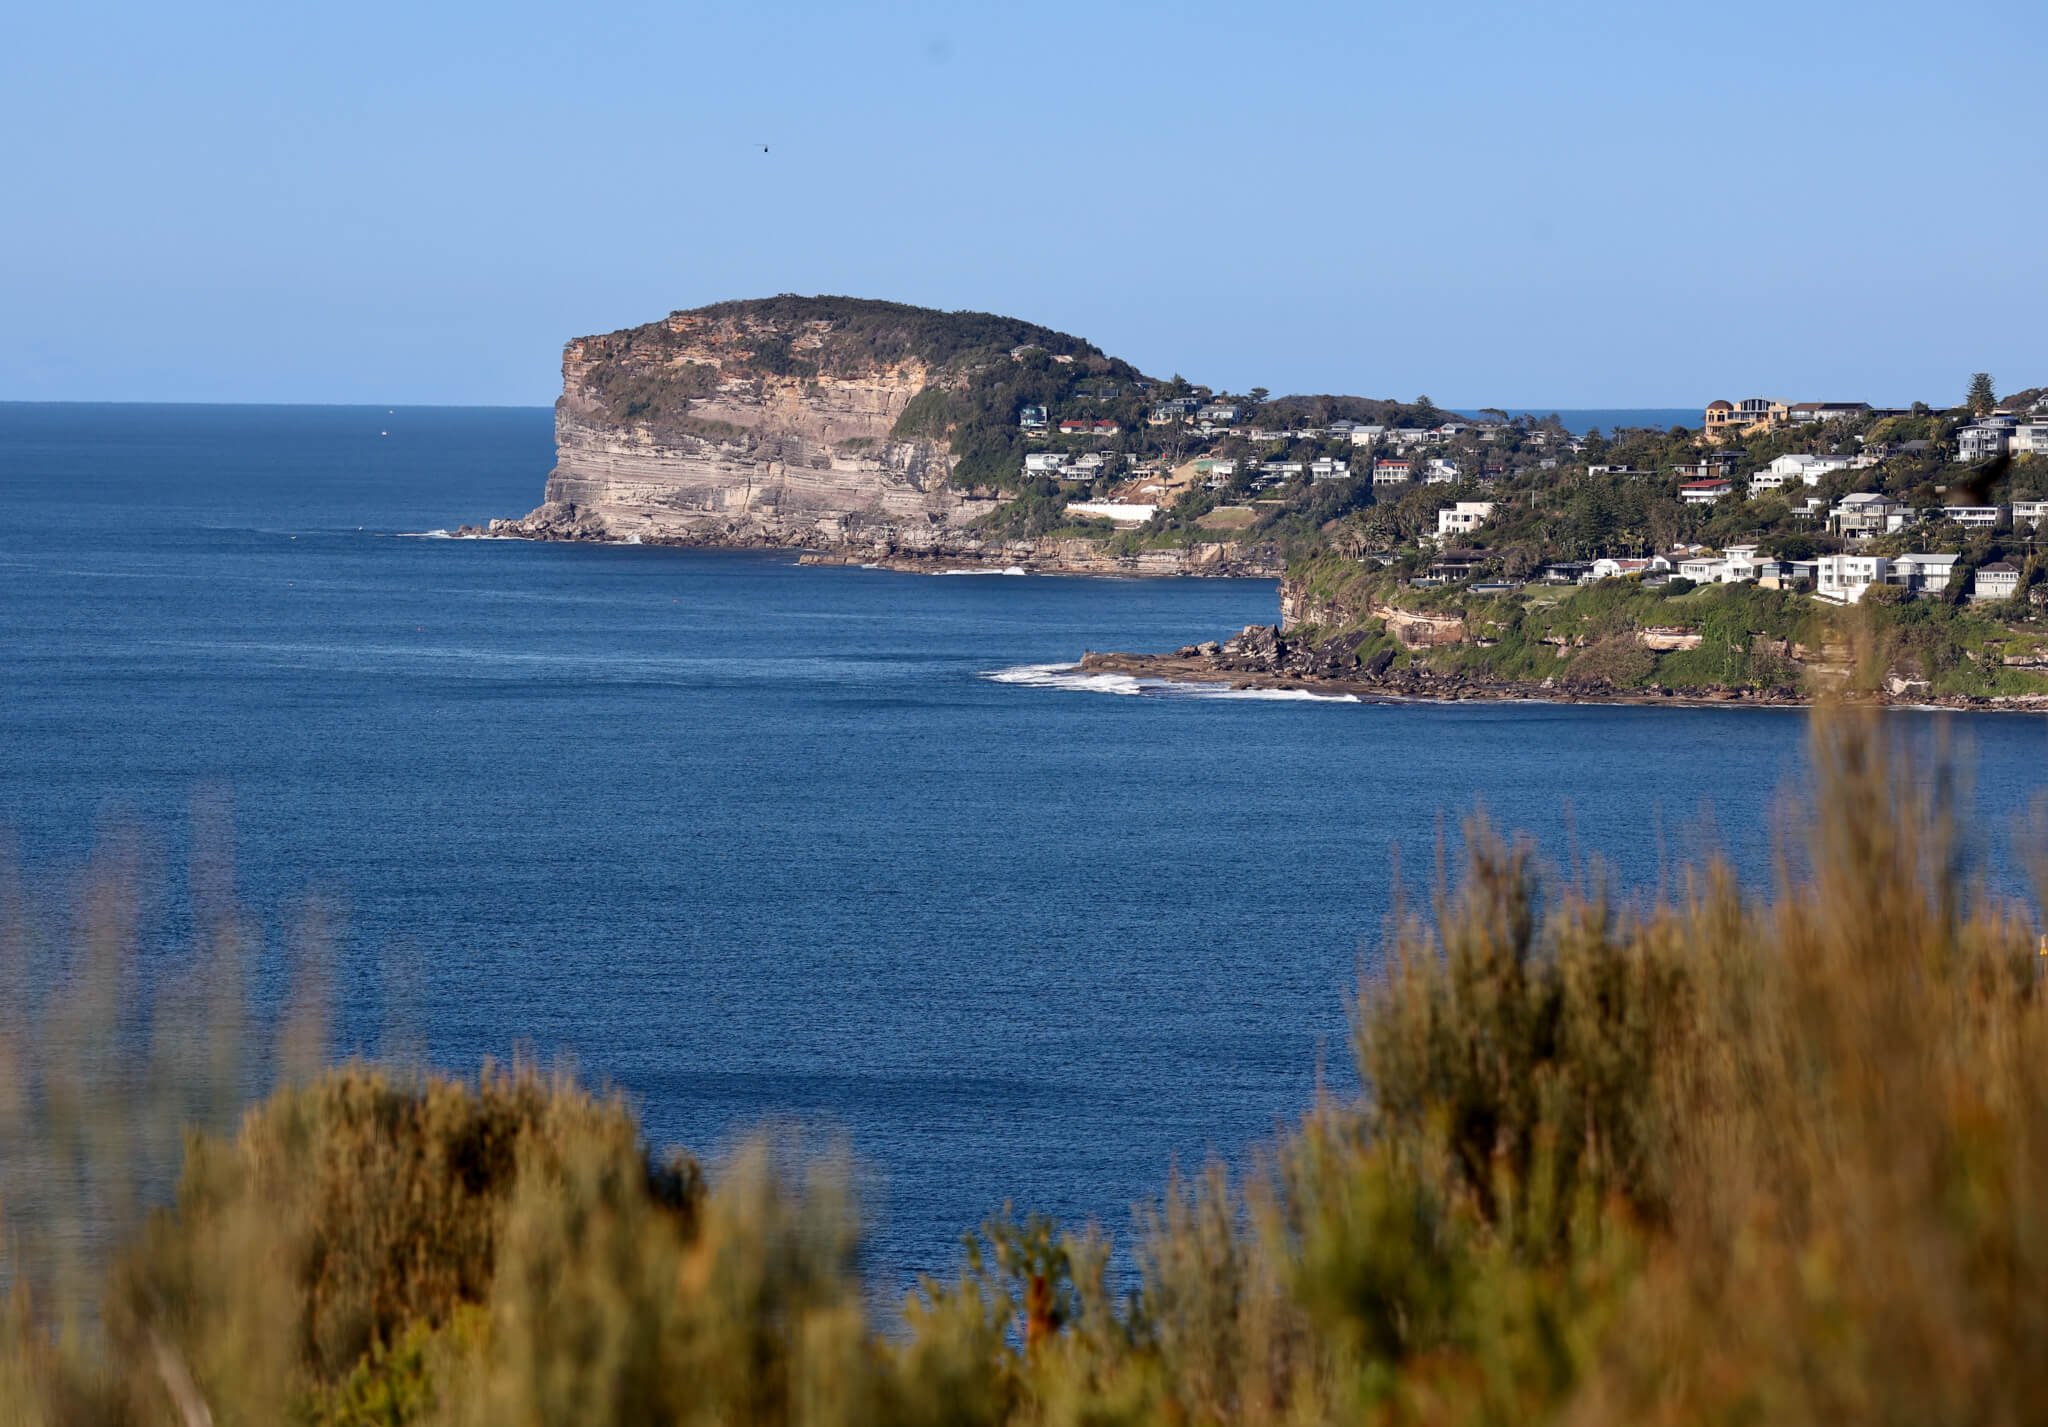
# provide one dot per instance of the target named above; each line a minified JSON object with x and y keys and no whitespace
{"x":686,"y":430}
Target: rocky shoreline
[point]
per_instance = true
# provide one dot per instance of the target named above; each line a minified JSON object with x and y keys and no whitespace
{"x":1262,"y":657}
{"x":888,"y":550}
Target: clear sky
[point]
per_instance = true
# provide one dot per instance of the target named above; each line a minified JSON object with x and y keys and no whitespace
{"x":1561,"y":204}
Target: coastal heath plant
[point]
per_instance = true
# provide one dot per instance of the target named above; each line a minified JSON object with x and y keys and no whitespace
{"x":1759,"y":1156}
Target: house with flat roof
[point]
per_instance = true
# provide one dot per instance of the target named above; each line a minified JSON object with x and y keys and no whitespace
{"x":1807,"y":413}
{"x":1803,"y":469}
{"x":1843,"y":579}
{"x":1463,"y":518}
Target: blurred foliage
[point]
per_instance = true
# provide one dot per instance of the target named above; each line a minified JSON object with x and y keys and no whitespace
{"x":1714,"y":1156}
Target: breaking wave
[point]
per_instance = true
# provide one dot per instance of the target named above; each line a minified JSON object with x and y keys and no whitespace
{"x":1070,"y":677}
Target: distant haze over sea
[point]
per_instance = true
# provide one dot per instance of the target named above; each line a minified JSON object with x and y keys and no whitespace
{"x":1579,"y":420}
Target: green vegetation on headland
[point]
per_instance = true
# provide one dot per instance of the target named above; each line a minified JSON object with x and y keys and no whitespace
{"x":1625,"y":636}
{"x":1727,"y":1157}
{"x":1497,"y":525}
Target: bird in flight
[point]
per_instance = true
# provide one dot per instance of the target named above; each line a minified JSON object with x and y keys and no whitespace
{"x":764,"y":148}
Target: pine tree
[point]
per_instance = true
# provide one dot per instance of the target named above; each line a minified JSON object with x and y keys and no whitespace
{"x":1983,"y":395}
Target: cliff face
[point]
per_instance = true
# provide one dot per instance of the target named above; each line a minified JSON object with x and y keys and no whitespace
{"x":825,"y":423}
{"x":741,"y":429}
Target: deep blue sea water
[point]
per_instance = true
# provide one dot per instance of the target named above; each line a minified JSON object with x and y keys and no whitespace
{"x":758,"y":842}
{"x":1608,"y":420}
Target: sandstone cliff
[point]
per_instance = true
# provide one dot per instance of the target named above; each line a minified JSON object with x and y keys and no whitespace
{"x":801,"y":423}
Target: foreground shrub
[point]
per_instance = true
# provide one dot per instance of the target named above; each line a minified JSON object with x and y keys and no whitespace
{"x":1730,"y":1158}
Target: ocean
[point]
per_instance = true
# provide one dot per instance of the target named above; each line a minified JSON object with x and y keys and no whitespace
{"x":837,"y":849}
{"x":1608,"y":420}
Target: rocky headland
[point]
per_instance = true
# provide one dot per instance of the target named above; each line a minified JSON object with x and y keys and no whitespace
{"x":1359,"y":645}
{"x":814,"y":424}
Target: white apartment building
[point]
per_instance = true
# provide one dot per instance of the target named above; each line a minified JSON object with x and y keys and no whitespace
{"x":1463,"y":518}
{"x":1842,"y":579}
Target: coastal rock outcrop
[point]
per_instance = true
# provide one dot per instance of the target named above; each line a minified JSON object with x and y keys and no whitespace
{"x":743,"y":427}
{"x":823,"y":424}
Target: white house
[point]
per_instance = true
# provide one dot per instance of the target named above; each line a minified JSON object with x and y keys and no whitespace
{"x":1842,"y":579}
{"x":1998,"y":581}
{"x":1463,"y":518}
{"x":1044,"y":463}
{"x":1924,"y":574}
{"x":1809,"y":412}
{"x":1703,"y":492}
{"x":1792,"y":470}
{"x":1441,"y":472}
{"x":1366,"y":435}
{"x":1984,"y":439}
{"x":2030,"y":438}
{"x":1220,"y":413}
{"x":1973,"y":517}
{"x":1701,"y":570}
{"x":1392,"y":473}
{"x":1328,"y":469}
{"x":1116,"y":511}
{"x":2030,"y":512}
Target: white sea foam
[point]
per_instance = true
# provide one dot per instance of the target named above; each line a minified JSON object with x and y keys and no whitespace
{"x":1070,"y":677}
{"x":1011,"y":570}
{"x":1065,"y":676}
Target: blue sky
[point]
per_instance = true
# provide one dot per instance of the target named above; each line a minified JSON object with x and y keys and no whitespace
{"x":1563,"y":205}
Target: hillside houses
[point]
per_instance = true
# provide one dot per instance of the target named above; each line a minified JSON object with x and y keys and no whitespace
{"x":1727,"y":419}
